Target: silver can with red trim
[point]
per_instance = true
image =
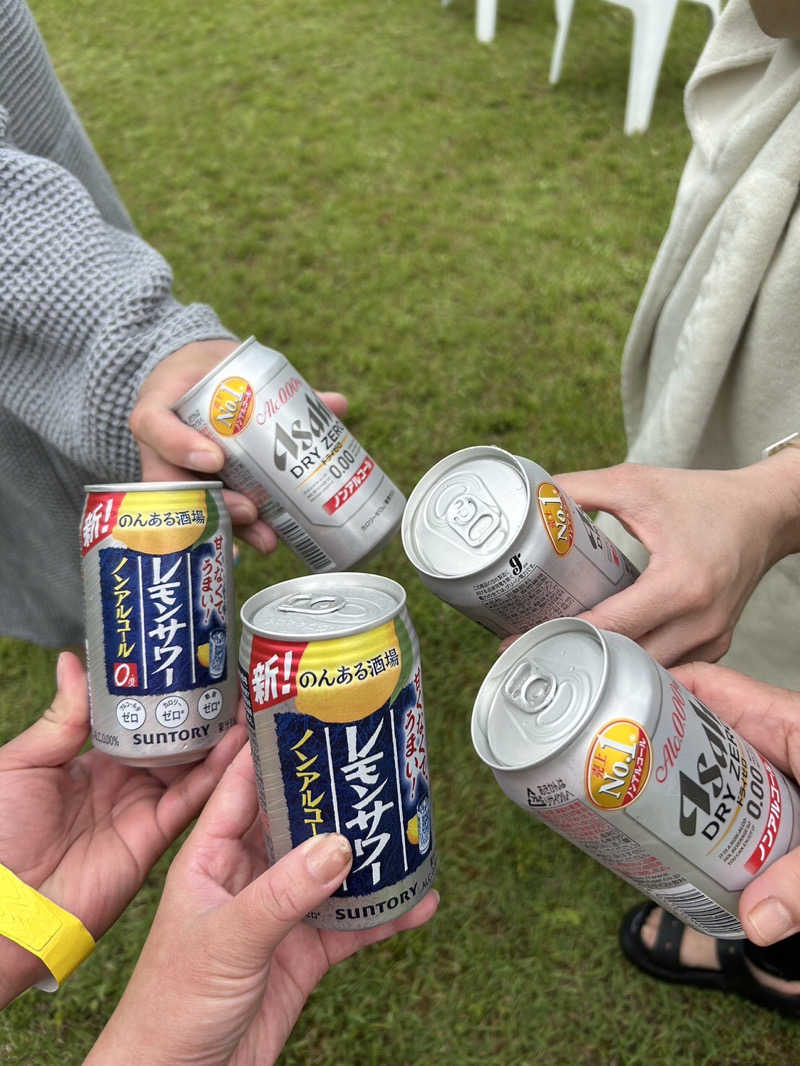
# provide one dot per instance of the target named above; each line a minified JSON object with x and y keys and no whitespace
{"x":332,"y":685}
{"x":157,"y":562}
{"x":319,"y":489}
{"x":491,"y":534}
{"x":588,"y":734}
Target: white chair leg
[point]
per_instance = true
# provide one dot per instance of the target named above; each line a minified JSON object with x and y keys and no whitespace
{"x":651,"y":28}
{"x":485,"y":20}
{"x":564,"y":10}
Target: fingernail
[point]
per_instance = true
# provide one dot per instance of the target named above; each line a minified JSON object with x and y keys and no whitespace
{"x":264,"y":543}
{"x":207,"y":461}
{"x":59,"y":669}
{"x":770,"y":919}
{"x":328,"y":856}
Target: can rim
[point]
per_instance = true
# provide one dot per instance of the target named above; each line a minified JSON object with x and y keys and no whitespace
{"x":153,"y":486}
{"x":424,"y":485}
{"x":190,"y":393}
{"x":499,"y":670}
{"x":336,"y":579}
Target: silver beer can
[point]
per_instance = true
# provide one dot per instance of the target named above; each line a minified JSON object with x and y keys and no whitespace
{"x":322,"y":493}
{"x":492,"y":535}
{"x":332,"y":684}
{"x":157,"y":562}
{"x":590,"y":735}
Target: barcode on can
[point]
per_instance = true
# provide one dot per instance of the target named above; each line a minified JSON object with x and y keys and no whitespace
{"x":298,"y":540}
{"x":689,"y":902}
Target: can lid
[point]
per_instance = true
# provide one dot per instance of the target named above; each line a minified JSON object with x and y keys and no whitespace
{"x":465,"y":512}
{"x":214,"y":372}
{"x":539,"y":694}
{"x":323,"y":606}
{"x":154,"y":486}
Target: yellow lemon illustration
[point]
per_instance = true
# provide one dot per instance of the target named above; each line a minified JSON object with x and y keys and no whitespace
{"x":202,"y":655}
{"x":412,"y":830}
{"x":161,"y":522}
{"x":346,"y":679}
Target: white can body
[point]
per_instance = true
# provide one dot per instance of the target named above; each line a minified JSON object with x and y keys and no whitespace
{"x":492,"y":535}
{"x":311,"y":480}
{"x":587,"y":733}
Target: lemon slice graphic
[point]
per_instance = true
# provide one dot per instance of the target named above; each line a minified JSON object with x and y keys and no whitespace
{"x":412,"y":830}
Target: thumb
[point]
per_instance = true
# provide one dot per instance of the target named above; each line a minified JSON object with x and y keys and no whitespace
{"x":167,"y":446}
{"x":261,"y":915}
{"x":769,"y":907}
{"x":61,"y":732}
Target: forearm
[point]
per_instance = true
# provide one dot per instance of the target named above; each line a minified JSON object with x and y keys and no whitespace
{"x":774,"y":498}
{"x":86,"y":312}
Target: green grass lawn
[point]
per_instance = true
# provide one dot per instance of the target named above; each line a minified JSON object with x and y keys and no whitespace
{"x":423,"y":223}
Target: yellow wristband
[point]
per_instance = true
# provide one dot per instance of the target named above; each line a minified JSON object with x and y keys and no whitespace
{"x":40,"y":926}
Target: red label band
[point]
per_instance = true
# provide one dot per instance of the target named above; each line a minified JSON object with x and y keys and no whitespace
{"x":770,"y":834}
{"x":350,"y":488}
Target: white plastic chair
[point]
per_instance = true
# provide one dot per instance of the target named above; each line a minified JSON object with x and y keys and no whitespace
{"x":652,"y":21}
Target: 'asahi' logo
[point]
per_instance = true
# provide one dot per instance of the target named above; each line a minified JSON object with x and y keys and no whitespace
{"x":301,"y":442}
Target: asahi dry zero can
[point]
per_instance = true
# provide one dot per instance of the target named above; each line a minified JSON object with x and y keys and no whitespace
{"x":587,"y":733}
{"x":332,"y":684}
{"x":311,"y":480}
{"x":159,"y":607}
{"x":491,"y":534}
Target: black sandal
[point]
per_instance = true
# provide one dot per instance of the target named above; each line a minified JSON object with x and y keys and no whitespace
{"x":662,"y":961}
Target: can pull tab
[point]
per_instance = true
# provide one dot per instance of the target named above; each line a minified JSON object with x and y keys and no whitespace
{"x":530,"y":688}
{"x":474,"y":520}
{"x":305,"y":603}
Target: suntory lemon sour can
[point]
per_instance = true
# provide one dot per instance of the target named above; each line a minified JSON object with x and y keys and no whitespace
{"x":332,"y":684}
{"x":491,"y":534}
{"x":590,"y":735}
{"x":312,"y":481}
{"x":157,"y":562}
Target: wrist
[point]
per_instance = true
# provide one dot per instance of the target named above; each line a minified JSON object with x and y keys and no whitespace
{"x":775,"y":495}
{"x":19,"y":971}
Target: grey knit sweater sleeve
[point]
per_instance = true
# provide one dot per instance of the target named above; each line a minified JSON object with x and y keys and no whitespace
{"x":86,"y":306}
{"x":86,"y":312}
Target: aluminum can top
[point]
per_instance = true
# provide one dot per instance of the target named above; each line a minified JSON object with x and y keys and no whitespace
{"x":539,"y":694}
{"x":214,"y":372}
{"x":154,"y":486}
{"x":323,"y":606}
{"x":465,"y":512}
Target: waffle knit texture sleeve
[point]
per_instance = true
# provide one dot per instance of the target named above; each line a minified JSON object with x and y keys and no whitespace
{"x":86,"y":312}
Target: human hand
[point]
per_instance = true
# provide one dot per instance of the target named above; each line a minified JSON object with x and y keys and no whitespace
{"x":84,"y":829}
{"x":711,"y":534}
{"x":769,"y":907}
{"x":172,"y":451}
{"x":228,"y":963}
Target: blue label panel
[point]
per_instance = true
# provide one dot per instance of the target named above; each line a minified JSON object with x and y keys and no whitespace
{"x":164,"y":619}
{"x":353,"y":778}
